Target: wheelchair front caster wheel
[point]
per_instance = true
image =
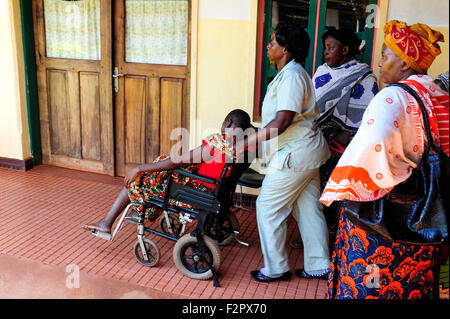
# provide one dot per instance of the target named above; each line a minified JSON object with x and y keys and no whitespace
{"x":187,"y":257}
{"x":175,"y":225}
{"x":151,"y":250}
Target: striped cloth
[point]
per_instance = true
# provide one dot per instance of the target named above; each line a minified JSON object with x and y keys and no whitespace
{"x":439,"y":120}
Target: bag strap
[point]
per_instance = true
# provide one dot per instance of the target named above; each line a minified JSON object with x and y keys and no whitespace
{"x":426,"y":122}
{"x":354,"y":85}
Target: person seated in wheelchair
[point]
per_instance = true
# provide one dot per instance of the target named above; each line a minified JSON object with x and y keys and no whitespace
{"x":150,"y":180}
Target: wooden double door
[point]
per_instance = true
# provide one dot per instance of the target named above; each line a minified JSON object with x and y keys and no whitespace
{"x":99,"y":111}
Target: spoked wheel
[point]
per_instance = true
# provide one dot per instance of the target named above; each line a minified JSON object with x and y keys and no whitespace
{"x":221,"y":229}
{"x":152,"y":252}
{"x":175,"y":225}
{"x":187,"y":257}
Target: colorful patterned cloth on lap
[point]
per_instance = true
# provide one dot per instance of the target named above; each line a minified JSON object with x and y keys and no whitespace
{"x":154,"y":184}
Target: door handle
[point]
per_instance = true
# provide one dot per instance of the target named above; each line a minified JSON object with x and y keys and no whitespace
{"x":116,"y":75}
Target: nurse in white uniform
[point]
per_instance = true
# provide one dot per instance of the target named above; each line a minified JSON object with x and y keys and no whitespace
{"x":294,"y":150}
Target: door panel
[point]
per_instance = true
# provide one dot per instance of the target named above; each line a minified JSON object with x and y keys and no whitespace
{"x":59,"y":112}
{"x":135,"y":109}
{"x":151,"y":99}
{"x":90,"y":116}
{"x":153,"y":119}
{"x":73,"y":103}
{"x":171,"y":110}
{"x":75,"y":98}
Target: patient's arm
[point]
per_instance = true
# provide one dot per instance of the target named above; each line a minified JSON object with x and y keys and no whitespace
{"x":195,"y":156}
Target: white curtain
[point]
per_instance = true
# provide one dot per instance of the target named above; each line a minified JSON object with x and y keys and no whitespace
{"x":72,"y":29}
{"x":156,"y":31}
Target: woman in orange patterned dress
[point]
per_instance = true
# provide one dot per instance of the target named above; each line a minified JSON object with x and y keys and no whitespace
{"x":387,"y":147}
{"x":150,"y":180}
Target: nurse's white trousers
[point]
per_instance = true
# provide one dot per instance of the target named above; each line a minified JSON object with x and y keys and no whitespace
{"x":285,"y":192}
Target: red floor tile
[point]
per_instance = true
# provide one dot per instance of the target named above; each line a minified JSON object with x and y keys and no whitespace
{"x":46,"y":227}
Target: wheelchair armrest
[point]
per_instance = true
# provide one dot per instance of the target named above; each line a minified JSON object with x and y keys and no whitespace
{"x":194,"y":176}
{"x":191,"y":196}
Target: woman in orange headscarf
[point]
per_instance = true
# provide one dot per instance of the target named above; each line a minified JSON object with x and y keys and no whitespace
{"x":387,"y":147}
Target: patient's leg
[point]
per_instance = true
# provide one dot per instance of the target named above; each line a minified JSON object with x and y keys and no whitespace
{"x":106,"y":223}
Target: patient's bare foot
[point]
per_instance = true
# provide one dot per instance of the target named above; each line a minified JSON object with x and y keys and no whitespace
{"x":100,"y":225}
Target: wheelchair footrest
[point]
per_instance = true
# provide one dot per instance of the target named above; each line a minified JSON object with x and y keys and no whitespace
{"x":102,"y":235}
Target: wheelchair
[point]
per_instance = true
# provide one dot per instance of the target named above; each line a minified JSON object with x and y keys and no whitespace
{"x":196,"y":254}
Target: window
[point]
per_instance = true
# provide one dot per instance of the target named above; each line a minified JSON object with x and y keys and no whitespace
{"x":157,"y":31}
{"x":72,"y":29}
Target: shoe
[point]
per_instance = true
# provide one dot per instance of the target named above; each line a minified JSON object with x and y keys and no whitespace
{"x":303,"y":274}
{"x":259,"y":276}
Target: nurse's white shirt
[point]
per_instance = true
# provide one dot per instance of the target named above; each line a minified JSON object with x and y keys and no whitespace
{"x":301,"y":146}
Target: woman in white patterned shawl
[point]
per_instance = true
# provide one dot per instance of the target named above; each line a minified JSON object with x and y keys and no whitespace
{"x":344,"y":87}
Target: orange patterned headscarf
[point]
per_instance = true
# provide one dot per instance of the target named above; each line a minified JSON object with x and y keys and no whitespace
{"x":415,"y":44}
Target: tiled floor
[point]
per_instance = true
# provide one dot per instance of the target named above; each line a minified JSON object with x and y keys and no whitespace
{"x":41,"y":213}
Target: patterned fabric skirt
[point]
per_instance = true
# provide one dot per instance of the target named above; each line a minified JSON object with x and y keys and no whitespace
{"x":153,"y":184}
{"x":365,"y":266}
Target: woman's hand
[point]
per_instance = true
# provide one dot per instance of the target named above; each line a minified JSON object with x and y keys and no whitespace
{"x":131,"y":175}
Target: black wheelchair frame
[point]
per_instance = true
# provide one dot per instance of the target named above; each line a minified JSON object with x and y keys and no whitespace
{"x":210,"y":210}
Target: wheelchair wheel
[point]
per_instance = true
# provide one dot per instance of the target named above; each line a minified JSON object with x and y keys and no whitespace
{"x":220,"y":229}
{"x":186,"y":256}
{"x":152,"y":253}
{"x":174,"y":224}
